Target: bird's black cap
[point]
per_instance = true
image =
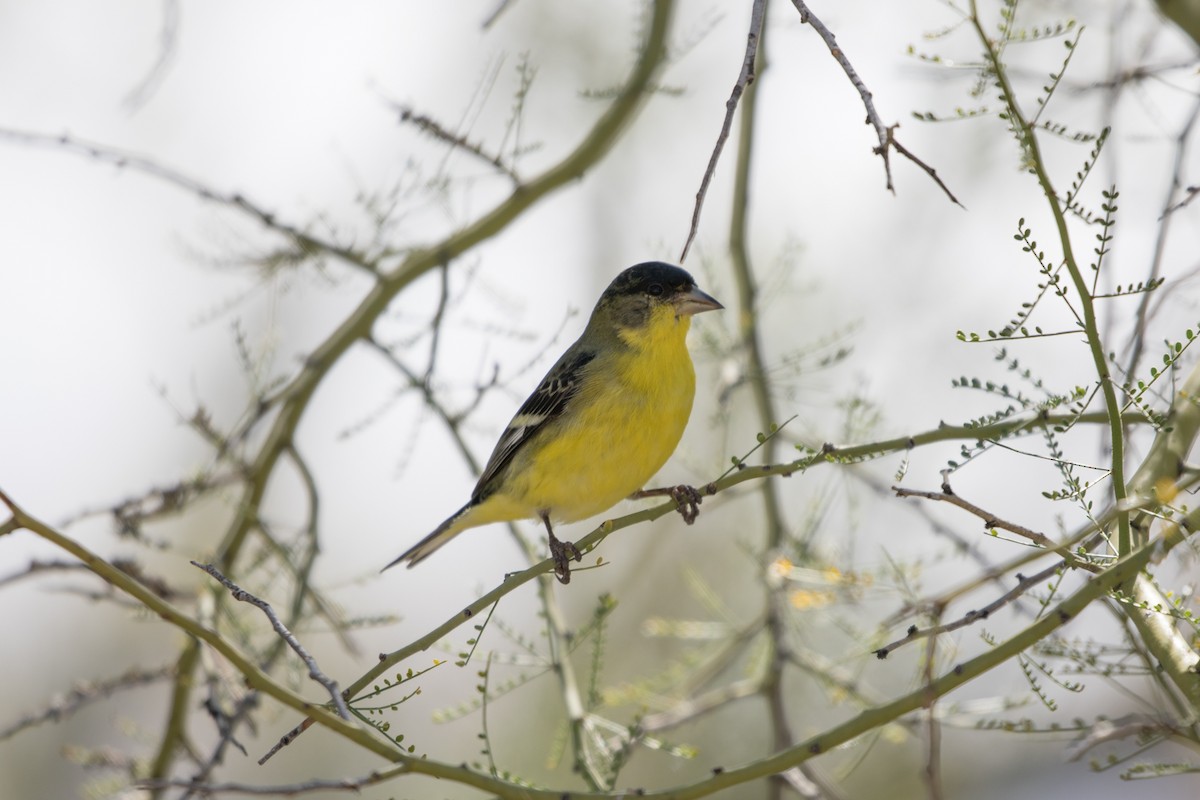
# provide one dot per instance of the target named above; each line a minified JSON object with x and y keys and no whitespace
{"x":640,"y":277}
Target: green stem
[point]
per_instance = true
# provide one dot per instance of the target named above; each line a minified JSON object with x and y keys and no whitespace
{"x":1028,"y":138}
{"x":180,"y":708}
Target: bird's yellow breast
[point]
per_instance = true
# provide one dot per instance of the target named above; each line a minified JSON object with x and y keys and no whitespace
{"x":621,"y":428}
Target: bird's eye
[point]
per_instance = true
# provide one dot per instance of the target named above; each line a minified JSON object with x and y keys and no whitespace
{"x":655,"y":290}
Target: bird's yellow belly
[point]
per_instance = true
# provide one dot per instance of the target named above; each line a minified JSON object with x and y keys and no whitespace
{"x":612,"y":448}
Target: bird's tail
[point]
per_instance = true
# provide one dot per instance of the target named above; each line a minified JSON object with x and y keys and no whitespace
{"x":424,"y":548}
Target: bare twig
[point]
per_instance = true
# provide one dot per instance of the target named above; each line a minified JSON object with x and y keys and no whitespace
{"x":355,"y":785}
{"x":1112,"y":730}
{"x":975,"y":615}
{"x":501,"y":7}
{"x":699,"y":704}
{"x":168,"y":38}
{"x":744,"y":79}
{"x":1170,"y":205}
{"x":84,"y":693}
{"x":305,"y":241}
{"x":992,"y":521}
{"x":227,"y":725}
{"x":930,"y":171}
{"x":885,"y":133}
{"x":1189,"y":194}
{"x":155,"y":503}
{"x":36,"y":567}
{"x":799,"y":782}
{"x":961,"y":543}
{"x":314,"y":671}
{"x":286,"y":739}
{"x":435,"y":129}
{"x":933,"y":729}
{"x":127,"y":565}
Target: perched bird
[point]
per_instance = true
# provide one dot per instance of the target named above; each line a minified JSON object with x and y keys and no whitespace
{"x":601,"y":423}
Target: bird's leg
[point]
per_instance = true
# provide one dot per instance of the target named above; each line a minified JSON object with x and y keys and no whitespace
{"x":687,"y":499}
{"x":561,"y":552}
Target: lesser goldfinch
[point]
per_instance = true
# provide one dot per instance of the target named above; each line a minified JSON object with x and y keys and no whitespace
{"x":606,"y":417}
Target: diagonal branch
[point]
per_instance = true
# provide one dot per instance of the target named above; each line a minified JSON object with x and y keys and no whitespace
{"x":974,"y":615}
{"x":314,"y":671}
{"x":305,"y":241}
{"x":992,"y":521}
{"x":885,"y":133}
{"x":745,"y":78}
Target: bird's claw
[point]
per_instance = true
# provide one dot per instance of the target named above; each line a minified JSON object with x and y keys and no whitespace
{"x":562,"y":553}
{"x":687,"y":502}
{"x":687,"y":498}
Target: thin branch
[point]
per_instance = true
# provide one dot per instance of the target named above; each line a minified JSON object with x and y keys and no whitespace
{"x":745,"y":78}
{"x":168,"y":39}
{"x":991,"y":521}
{"x":156,"y":502}
{"x":975,"y":615}
{"x":501,"y":7}
{"x":1170,"y":204}
{"x":85,"y":693}
{"x":305,"y":241}
{"x":178,"y":709}
{"x":929,"y":170}
{"x":1104,"y":731}
{"x":355,"y":785}
{"x":36,"y":567}
{"x":303,"y":571}
{"x":961,"y":544}
{"x":1188,"y":196}
{"x":771,"y":686}
{"x":314,"y":671}
{"x":885,"y":133}
{"x":435,"y":129}
{"x":933,"y":730}
{"x":700,"y":704}
{"x":227,"y":725}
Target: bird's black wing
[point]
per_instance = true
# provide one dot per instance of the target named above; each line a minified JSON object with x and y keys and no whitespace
{"x":548,"y":402}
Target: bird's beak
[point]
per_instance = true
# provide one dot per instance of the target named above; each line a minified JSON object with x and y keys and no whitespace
{"x":694,"y":302}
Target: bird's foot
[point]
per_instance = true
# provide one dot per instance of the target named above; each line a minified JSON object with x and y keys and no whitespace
{"x":687,"y":502}
{"x":687,"y":499}
{"x":562,"y":553}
